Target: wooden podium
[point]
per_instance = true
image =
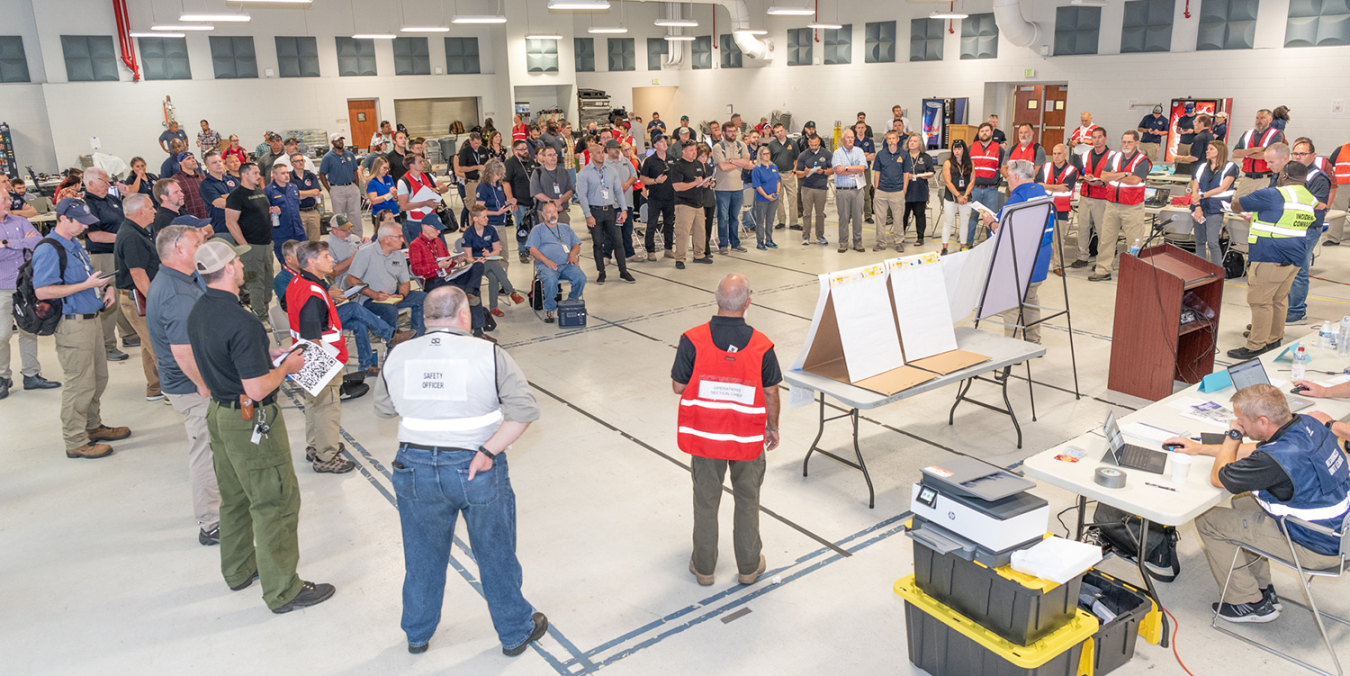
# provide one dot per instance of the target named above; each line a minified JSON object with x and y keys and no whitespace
{"x":1150,"y":348}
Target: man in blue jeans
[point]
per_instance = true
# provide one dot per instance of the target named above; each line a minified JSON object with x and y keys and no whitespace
{"x":555,"y":249}
{"x":451,"y":460}
{"x":1319,"y":184}
{"x":383,"y":268}
{"x":729,"y":158}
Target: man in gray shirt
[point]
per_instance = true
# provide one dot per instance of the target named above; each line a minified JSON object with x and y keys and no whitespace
{"x":383,"y":268}
{"x":729,"y":158}
{"x":552,"y":183}
{"x":173,"y":292}
{"x":600,"y":189}
{"x":343,"y":244}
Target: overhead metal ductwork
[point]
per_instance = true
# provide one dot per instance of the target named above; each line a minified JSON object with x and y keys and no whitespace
{"x":1012,"y":26}
{"x":754,"y":51}
{"x":675,"y":49}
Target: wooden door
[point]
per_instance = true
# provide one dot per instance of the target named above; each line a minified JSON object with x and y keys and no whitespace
{"x":1052,"y":120}
{"x":362,"y":117}
{"x":1026,"y":110}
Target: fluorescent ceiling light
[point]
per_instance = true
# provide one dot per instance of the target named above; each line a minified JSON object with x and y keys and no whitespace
{"x":543,"y":37}
{"x":374,"y":36}
{"x":578,"y":4}
{"x":751,"y":31}
{"x":824,"y":26}
{"x":478,"y":18}
{"x":948,"y":15}
{"x":269,"y":2}
{"x":792,"y":11}
{"x":677,"y":23}
{"x":680,"y":38}
{"x":602,"y":29}
{"x":1088,"y":3}
{"x":179,"y":29}
{"x":425,"y":29}
{"x":160,"y":34}
{"x":220,"y":18}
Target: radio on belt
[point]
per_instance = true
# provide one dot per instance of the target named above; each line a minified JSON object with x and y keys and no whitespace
{"x":977,"y":511}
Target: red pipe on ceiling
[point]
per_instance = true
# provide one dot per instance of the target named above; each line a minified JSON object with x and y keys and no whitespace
{"x":124,"y":39}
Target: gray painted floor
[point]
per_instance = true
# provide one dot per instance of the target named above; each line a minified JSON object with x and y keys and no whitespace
{"x":103,"y":573}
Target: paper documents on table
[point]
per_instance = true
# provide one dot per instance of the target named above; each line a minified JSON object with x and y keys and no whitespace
{"x":1210,"y":412}
{"x":321,"y":366}
{"x":984,"y":210}
{"x":924,"y":316}
{"x":353,"y":291}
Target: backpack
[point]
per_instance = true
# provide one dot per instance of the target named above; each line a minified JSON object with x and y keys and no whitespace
{"x":38,"y":317}
{"x":1122,"y":530}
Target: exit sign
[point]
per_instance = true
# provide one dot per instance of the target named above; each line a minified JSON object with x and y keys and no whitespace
{"x":1028,"y":72}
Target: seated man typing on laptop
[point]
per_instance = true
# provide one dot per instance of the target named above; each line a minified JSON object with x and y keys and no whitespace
{"x":1295,"y":469}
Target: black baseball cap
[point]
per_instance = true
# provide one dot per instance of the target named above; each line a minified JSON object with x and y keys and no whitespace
{"x":809,"y":125}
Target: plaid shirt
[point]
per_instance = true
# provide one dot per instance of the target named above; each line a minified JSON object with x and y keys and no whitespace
{"x":422,"y":255}
{"x":192,"y":193}
{"x":208,"y":139}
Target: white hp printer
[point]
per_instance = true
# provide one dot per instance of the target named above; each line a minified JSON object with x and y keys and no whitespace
{"x":977,"y":511}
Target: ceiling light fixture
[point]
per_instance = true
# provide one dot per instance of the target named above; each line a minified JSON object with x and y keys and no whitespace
{"x":680,"y":38}
{"x":425,"y":29}
{"x":543,"y":37}
{"x":604,"y":29}
{"x":792,"y":11}
{"x":179,"y":29}
{"x":478,"y":18}
{"x":374,"y":36}
{"x":677,"y":23}
{"x":824,"y":26}
{"x":948,"y":15}
{"x":578,"y":4}
{"x":219,"y":18}
{"x":160,"y":34}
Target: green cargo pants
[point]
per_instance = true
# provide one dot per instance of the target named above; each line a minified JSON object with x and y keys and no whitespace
{"x":258,"y":273}
{"x":747,"y":476}
{"x":259,"y":500}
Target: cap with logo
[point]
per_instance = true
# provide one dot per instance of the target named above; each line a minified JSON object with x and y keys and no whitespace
{"x":75,"y":209}
{"x":214,"y":256}
{"x":1157,"y":110}
{"x":339,"y":221}
{"x":335,"y":136}
{"x":271,"y":135}
{"x":809,"y":125}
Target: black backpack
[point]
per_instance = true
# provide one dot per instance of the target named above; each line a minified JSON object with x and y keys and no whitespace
{"x":1122,"y":531}
{"x":38,"y":317}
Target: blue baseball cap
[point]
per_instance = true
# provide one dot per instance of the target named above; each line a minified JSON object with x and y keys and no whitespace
{"x":434,"y":221}
{"x":190,"y":220}
{"x":75,"y":209}
{"x":184,"y":155}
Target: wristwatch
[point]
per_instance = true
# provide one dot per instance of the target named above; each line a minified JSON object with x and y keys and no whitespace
{"x":1329,"y":424}
{"x":1235,"y":435}
{"x":485,"y":451}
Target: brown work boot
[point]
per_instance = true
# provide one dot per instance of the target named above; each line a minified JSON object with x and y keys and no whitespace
{"x":750,"y":579}
{"x":90,"y":450}
{"x":400,"y":336}
{"x":105,"y":433}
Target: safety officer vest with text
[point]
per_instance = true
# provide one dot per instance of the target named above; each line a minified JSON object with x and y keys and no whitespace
{"x":722,"y":412}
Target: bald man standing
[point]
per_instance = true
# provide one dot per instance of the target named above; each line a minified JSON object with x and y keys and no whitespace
{"x":726,"y":374}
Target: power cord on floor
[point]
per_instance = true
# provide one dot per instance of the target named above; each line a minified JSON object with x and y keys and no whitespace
{"x":1176,"y":629}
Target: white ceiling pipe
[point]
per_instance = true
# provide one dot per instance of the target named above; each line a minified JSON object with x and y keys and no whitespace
{"x":1012,"y":26}
{"x":674,"y":50}
{"x":754,"y":51}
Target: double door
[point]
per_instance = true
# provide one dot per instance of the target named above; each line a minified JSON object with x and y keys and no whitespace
{"x":1042,"y":107}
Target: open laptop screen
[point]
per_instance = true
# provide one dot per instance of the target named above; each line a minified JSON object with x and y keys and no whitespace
{"x":1114,"y":439}
{"x":1150,"y":193}
{"x":1248,"y":373}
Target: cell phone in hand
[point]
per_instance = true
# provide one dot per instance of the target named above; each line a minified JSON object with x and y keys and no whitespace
{"x":107,"y":275}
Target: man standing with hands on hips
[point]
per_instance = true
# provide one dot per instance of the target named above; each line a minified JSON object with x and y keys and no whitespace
{"x":462,"y":403}
{"x":337,"y":172}
{"x":727,"y":376}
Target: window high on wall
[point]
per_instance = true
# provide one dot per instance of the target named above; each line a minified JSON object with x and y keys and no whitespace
{"x":583,"y":50}
{"x":799,"y":46}
{"x":461,"y":56}
{"x":622,"y":54}
{"x":1077,"y":30}
{"x":541,"y":56}
{"x":233,"y":57}
{"x":89,"y":58}
{"x":411,"y":56}
{"x":838,"y":44}
{"x":297,"y":56}
{"x":355,"y":57}
{"x":165,"y":58}
{"x":1317,"y":23}
{"x":700,"y":53}
{"x":880,"y":42}
{"x":731,"y":52}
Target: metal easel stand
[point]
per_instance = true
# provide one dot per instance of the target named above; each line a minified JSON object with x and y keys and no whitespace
{"x":861,"y":466}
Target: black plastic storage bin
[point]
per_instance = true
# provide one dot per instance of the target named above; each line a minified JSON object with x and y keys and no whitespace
{"x":1000,"y":600}
{"x":1115,"y":641}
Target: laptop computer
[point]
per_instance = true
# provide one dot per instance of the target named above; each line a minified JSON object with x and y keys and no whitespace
{"x":1128,"y":455}
{"x":1156,"y":197}
{"x":1252,"y":372}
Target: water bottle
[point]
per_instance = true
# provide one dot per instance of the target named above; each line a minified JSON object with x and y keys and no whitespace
{"x":276,"y":220}
{"x":1134,"y":248}
{"x":1300,"y":366}
{"x":1324,"y":337}
{"x":1343,"y":340}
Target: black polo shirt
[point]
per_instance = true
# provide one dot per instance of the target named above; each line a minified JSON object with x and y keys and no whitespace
{"x":518,"y":176}
{"x":108,"y":211}
{"x":468,"y":157}
{"x":726,"y":332}
{"x":134,"y":248}
{"x":653,"y":169}
{"x":398,"y":165}
{"x":784,"y":154}
{"x":163,"y":219}
{"x":255,"y":219}
{"x":687,"y":172}
{"x":228,"y":343}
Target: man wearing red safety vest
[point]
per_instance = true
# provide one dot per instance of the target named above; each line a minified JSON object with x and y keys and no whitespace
{"x":1080,"y":141}
{"x":1092,"y":201}
{"x":987,"y":155}
{"x":1123,"y":183}
{"x":1338,"y":165}
{"x":1058,"y":176}
{"x":1026,"y":149}
{"x":727,"y":376}
{"x":1251,"y":149}
{"x":313,"y":317}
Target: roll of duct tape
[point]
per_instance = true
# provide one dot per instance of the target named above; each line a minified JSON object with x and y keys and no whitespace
{"x":1110,"y":477}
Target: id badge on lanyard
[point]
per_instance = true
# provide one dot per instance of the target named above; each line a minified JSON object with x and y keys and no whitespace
{"x":604,"y":190}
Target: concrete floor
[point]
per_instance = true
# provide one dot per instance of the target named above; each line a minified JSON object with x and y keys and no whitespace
{"x":103,"y":573}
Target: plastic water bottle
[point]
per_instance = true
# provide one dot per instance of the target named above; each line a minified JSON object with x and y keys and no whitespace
{"x":276,"y":220}
{"x":1134,"y":248}
{"x":1324,"y":338}
{"x":1300,"y":367}
{"x":1343,"y":340}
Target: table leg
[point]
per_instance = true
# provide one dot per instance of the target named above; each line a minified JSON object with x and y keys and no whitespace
{"x":960,"y":394}
{"x":1148,"y":579}
{"x":1006,"y":371}
{"x":1082,"y":513}
{"x":819,"y":432}
{"x":871,"y":493}
{"x":861,"y":466}
{"x":1031,"y":392}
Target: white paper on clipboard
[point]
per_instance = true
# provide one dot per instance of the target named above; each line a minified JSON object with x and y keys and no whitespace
{"x":425,"y":194}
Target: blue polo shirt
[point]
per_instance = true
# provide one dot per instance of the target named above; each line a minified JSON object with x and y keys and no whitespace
{"x":16,"y":202}
{"x":167,"y":137}
{"x":169,"y":167}
{"x":306,"y":181}
{"x":867,"y":144}
{"x":1025,"y":192}
{"x":47,"y":272}
{"x":1155,"y":123}
{"x":1186,"y":122}
{"x":213,"y":189}
{"x":339,"y":168}
{"x":766,"y":177}
{"x":891,"y":168}
{"x":288,"y":199}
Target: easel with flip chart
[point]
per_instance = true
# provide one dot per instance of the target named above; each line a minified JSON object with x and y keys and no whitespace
{"x":1014,"y":256}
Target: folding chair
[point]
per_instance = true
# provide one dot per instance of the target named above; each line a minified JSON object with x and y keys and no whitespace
{"x":1292,"y":562}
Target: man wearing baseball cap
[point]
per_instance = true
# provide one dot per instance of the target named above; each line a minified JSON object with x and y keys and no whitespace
{"x":259,"y":495}
{"x":1152,"y":129}
{"x":337,"y":171}
{"x":275,"y":152}
{"x":66,"y":273}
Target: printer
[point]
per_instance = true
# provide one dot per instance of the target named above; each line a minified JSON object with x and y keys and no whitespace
{"x":977,"y":511}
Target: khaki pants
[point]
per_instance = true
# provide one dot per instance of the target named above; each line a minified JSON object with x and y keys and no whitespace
{"x":747,"y":476}
{"x":813,"y":201}
{"x":111,"y":316}
{"x":310,"y":219}
{"x":1268,"y":296}
{"x":27,"y":341}
{"x":1091,"y":214}
{"x":1150,"y":150}
{"x":890,"y":230}
{"x":148,"y":363}
{"x":258,"y":278}
{"x":201,"y":467}
{"x":346,"y":200}
{"x":1030,"y":314}
{"x":787,"y":202}
{"x":84,"y":362}
{"x":1061,"y":231}
{"x":689,"y":222}
{"x":1247,"y":185}
{"x":1128,"y":219}
{"x":323,"y":418}
{"x":1246,"y":522}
